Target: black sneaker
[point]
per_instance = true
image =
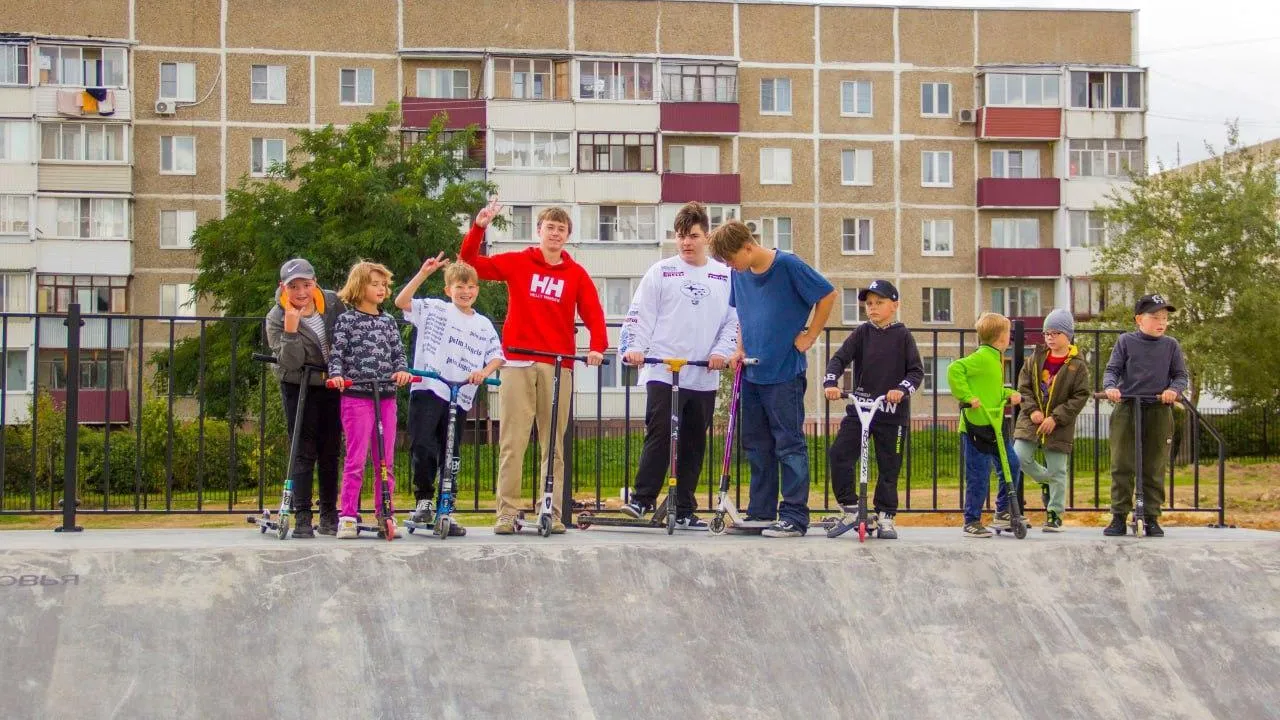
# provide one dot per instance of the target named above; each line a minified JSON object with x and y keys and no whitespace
{"x":456,"y":530}
{"x":691,"y":522}
{"x":1151,"y":527}
{"x":1002,"y":519}
{"x":302,"y":525}
{"x":976,"y":530}
{"x":1052,"y":523}
{"x":783,"y":529}
{"x":636,"y":510}
{"x":328,"y":523}
{"x":1117,"y":528}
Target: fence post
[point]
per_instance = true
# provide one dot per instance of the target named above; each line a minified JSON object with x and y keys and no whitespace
{"x":71,"y":442}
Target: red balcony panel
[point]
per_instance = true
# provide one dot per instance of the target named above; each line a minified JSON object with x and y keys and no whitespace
{"x":699,"y":117}
{"x":1019,"y":193}
{"x":92,"y":405}
{"x":1033,"y":330}
{"x":419,"y":112}
{"x":1019,"y":262}
{"x":716,"y":189}
{"x":1019,"y":123}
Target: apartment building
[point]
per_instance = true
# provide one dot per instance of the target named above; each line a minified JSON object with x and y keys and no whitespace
{"x":958,"y":152}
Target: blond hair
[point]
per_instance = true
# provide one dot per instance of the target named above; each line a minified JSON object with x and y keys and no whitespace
{"x":460,"y":272}
{"x":361,"y":277}
{"x":556,"y":214}
{"x":991,"y":326}
{"x":730,"y":238}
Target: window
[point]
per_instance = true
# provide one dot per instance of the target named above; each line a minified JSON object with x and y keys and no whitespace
{"x":177,"y":300}
{"x":91,"y":218}
{"x":1015,"y":163}
{"x":14,"y":66}
{"x":936,"y":237}
{"x":935,"y":99}
{"x":15,"y":140}
{"x":627,"y":223}
{"x":850,"y":308}
{"x":13,"y":292}
{"x":855,"y":98}
{"x":776,"y":232}
{"x":616,"y":295}
{"x":855,"y":236}
{"x":15,"y":370}
{"x":1106,"y":90}
{"x":176,"y":227}
{"x":178,"y":154}
{"x":1021,"y":89}
{"x":267,"y":84}
{"x":523,"y":79}
{"x":15,"y":215}
{"x":606,"y":376}
{"x":178,"y":81}
{"x":775,"y":166}
{"x":719,"y":215}
{"x":855,"y":167}
{"x":617,"y":152}
{"x":936,"y":305}
{"x":1089,"y":228}
{"x":693,"y":159}
{"x":93,"y":370}
{"x":942,"y":364}
{"x":355,"y":86}
{"x":775,"y":96}
{"x":1015,"y":232}
{"x":92,"y":142}
{"x":534,"y":150}
{"x":1016,"y":301}
{"x":699,"y":83}
{"x":935,"y":168}
{"x":444,"y":83}
{"x":605,"y":80}
{"x":96,"y":294}
{"x":1105,"y":158}
{"x":522,"y":222}
{"x":81,"y":66}
{"x":1089,"y":298}
{"x":264,"y":152}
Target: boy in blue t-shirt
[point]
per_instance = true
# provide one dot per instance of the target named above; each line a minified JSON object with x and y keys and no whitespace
{"x":774,"y":293}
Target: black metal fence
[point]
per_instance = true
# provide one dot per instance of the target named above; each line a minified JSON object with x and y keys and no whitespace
{"x":150,"y":414}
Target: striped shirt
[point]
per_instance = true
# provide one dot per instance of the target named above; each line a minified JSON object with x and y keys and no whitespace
{"x":315,"y":322}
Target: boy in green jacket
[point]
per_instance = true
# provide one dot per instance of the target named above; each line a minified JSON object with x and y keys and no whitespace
{"x":977,"y":381}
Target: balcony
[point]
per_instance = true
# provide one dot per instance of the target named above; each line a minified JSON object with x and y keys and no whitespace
{"x":92,"y":405}
{"x":1019,"y":262}
{"x":459,"y":114}
{"x":1024,"y":193}
{"x":1033,"y":329}
{"x":46,"y":103}
{"x":721,"y":189}
{"x":106,"y":177}
{"x":1019,"y":123}
{"x":707,"y":118}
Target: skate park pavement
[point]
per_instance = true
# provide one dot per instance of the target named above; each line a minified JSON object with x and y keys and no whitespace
{"x":610,"y":623}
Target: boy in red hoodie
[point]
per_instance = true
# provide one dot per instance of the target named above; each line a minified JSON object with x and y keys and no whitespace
{"x":544,"y":289}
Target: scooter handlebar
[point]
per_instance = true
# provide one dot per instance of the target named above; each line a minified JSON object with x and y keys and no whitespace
{"x":1103,"y":396}
{"x":541,"y":353}
{"x":344,"y":383}
{"x":437,"y":376}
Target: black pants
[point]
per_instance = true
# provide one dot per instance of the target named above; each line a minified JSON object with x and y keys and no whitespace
{"x":696,"y":410}
{"x":428,"y":423}
{"x":319,"y":446}
{"x":847,"y":449}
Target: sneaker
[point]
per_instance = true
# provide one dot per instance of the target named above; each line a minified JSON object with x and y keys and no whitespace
{"x":1151,"y":527}
{"x":1052,"y":522}
{"x":976,"y":530}
{"x":887,"y":531}
{"x":424,"y":512}
{"x":328,"y":523}
{"x":846,"y":522}
{"x":506,"y":525}
{"x":691,"y":522}
{"x":783,"y":529}
{"x":636,"y":510}
{"x":347,"y":528}
{"x":1003,"y":519}
{"x":1117,"y":528}
{"x":557,"y":527}
{"x":302,"y":528}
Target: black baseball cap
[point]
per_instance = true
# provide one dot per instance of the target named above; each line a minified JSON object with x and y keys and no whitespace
{"x":1152,"y":303}
{"x":883,"y":288}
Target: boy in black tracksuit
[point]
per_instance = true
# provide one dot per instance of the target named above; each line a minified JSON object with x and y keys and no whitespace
{"x":885,"y":362}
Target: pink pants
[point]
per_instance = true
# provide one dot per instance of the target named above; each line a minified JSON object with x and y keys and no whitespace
{"x":357,"y":426}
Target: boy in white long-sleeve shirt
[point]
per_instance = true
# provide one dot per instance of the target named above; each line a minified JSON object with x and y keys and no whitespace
{"x":680,"y":310}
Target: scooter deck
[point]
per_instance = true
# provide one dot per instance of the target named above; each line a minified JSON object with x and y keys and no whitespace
{"x":269,"y":520}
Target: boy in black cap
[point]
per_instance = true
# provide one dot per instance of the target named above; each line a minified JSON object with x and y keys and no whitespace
{"x":885,"y":362}
{"x":1144,"y":364}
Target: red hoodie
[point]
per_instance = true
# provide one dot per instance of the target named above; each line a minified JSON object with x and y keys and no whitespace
{"x":541,"y":299}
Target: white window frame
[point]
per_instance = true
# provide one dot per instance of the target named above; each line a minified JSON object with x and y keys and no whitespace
{"x":863,"y":236}
{"x":933,"y":90}
{"x":184,"y":82}
{"x":628,"y":292}
{"x":699,"y":82}
{"x":17,"y":64}
{"x":183,"y":223}
{"x":929,"y":166}
{"x":532,"y":137}
{"x":944,"y":386}
{"x":259,"y":150}
{"x":636,"y":219}
{"x":12,"y":209}
{"x":772,"y":234}
{"x":772,"y":158}
{"x":1016,"y":89}
{"x":1002,"y":164}
{"x":929,"y":231}
{"x":1013,"y":301}
{"x":718,"y":215}
{"x":861,"y":90}
{"x":704,"y":156}
{"x":361,"y":85}
{"x":22,"y":383}
{"x":15,"y":146}
{"x":75,"y":54}
{"x":775,"y":95}
{"x":849,"y":298}
{"x":1015,"y":233}
{"x":428,"y":83}
{"x":1110,"y":154}
{"x":862,"y":164}
{"x":929,"y":302}
{"x":529,"y":70}
{"x":1104,"y":103}
{"x":611,"y":87}
{"x":180,"y":309}
{"x":7,"y":293}
{"x":84,"y":131}
{"x":276,"y":77}
{"x":173,"y":154}
{"x":1089,"y":229}
{"x":85,"y":212}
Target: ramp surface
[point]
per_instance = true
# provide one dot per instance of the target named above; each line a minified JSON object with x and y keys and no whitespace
{"x":600,"y":624}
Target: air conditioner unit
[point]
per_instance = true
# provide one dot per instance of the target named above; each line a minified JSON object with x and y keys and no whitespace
{"x":166,"y":107}
{"x":968,"y":116}
{"x":754,"y":227}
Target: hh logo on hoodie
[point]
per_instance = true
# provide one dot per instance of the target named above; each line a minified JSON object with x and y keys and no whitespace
{"x":546,"y":287}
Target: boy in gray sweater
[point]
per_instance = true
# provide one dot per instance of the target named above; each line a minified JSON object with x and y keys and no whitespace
{"x":1146,"y":365}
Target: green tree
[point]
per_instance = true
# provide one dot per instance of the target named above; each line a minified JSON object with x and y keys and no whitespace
{"x":343,"y":195}
{"x":1205,"y":237}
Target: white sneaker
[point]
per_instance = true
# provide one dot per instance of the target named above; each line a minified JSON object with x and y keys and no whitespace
{"x":886,"y":530}
{"x":347,"y":528}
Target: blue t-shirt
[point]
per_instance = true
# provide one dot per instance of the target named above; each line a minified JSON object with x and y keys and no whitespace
{"x":773,"y":308}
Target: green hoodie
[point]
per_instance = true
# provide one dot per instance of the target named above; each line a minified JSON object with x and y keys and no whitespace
{"x":980,"y":375}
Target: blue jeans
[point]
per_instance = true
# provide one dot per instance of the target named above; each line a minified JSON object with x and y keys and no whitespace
{"x":773,"y":434}
{"x":977,"y":478}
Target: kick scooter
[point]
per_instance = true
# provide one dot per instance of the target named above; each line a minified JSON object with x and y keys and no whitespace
{"x":726,"y":513}
{"x":867,"y":408}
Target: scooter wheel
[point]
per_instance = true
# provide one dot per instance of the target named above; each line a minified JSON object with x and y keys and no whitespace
{"x":1020,"y":529}
{"x":862,"y":531}
{"x":442,"y":526}
{"x":584,"y":520}
{"x":717,"y":525}
{"x":544,"y":526}
{"x":282,"y":527}
{"x":389,"y":528}
{"x":671,"y":523}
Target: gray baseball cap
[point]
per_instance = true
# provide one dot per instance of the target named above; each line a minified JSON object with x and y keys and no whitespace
{"x":296,"y":268}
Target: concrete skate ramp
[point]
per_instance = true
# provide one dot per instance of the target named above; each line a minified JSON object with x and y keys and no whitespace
{"x":598,"y":624}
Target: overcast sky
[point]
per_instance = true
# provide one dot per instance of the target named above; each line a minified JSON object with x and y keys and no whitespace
{"x":1206,"y":64}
